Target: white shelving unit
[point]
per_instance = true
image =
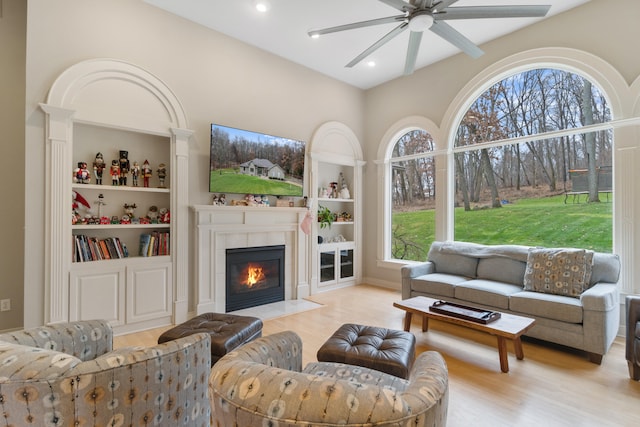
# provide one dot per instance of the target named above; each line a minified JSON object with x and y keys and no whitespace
{"x":336,"y":250}
{"x":106,"y":106}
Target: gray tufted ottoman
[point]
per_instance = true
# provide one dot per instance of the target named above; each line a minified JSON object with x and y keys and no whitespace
{"x":386,"y":350}
{"x":227,"y":331}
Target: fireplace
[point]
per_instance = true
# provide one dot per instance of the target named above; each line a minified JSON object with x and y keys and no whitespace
{"x":254,"y":276}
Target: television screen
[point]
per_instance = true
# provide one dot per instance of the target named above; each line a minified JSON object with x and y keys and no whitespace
{"x":246,"y":162}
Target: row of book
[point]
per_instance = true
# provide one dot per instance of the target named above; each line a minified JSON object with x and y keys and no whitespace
{"x":93,"y":249}
{"x":153,"y":244}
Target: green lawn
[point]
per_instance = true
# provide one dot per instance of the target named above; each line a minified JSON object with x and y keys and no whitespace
{"x":543,"y":221}
{"x":228,"y":181}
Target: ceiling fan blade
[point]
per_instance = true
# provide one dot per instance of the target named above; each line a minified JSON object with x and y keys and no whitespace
{"x":412,"y":52}
{"x":402,"y":6}
{"x":439,"y":6}
{"x":354,"y":25}
{"x":481,"y":12}
{"x":377,"y":45}
{"x":454,"y":37}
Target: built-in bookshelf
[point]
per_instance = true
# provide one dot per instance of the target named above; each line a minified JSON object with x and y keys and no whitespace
{"x":111,"y":245}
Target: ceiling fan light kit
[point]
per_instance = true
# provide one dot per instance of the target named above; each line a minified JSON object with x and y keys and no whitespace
{"x":421,"y":15}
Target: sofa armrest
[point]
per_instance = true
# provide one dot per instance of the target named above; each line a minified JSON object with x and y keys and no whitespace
{"x":600,"y":297}
{"x":411,"y":271}
{"x":633,"y":317}
{"x":85,"y":339}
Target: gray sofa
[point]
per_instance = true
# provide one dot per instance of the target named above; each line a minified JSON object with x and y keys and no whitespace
{"x":513,"y":279}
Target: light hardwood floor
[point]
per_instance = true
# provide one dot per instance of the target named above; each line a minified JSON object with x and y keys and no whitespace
{"x":551,"y":387}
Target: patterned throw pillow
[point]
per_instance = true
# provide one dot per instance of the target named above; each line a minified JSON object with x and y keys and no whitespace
{"x":558,"y":271}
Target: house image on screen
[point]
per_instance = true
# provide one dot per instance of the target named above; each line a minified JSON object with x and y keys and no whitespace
{"x":262,"y":168}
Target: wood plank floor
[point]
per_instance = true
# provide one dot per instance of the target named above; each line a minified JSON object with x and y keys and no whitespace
{"x":552,"y":386}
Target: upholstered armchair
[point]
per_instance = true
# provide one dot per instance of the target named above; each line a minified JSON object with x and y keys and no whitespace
{"x":633,"y":336}
{"x":69,"y":375}
{"x":263,"y":383}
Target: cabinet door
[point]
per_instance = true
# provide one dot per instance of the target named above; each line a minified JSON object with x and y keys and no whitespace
{"x":97,"y":295}
{"x":149,"y":292}
{"x":327,"y":267}
{"x":346,"y":263}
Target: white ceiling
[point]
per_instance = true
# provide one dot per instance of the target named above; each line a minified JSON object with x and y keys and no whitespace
{"x":283,"y":31}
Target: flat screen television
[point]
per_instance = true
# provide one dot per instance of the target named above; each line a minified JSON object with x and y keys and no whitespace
{"x":246,"y":162}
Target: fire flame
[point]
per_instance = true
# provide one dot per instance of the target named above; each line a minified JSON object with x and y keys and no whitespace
{"x":254,"y":275}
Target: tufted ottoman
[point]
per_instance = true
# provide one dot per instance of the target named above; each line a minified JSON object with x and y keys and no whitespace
{"x":385,"y":350}
{"x":227,"y":331}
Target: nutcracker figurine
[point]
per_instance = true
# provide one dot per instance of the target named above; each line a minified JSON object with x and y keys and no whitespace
{"x":146,"y":173}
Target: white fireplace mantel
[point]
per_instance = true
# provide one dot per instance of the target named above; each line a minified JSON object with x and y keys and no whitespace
{"x":219,"y":228}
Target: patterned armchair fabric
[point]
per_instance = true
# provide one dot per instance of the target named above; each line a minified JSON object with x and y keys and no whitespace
{"x":262,"y":384}
{"x":68,"y":375}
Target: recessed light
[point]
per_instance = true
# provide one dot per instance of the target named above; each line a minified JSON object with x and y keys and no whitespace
{"x":262,"y":5}
{"x":371,"y":63}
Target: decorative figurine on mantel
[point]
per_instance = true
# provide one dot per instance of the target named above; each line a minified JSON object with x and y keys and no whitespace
{"x":124,"y":167}
{"x":81,"y":174}
{"x":98,"y":167}
{"x":115,"y":172}
{"x":135,"y":173}
{"x":146,"y":173}
{"x":162,"y":174}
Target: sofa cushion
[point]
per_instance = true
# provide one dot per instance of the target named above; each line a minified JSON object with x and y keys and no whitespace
{"x":558,"y":271}
{"x":487,"y":292}
{"x":452,"y":263}
{"x":437,"y":284}
{"x":502,"y":270}
{"x":549,"y":306}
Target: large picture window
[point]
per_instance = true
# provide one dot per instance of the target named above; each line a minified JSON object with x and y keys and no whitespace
{"x":514,"y":187}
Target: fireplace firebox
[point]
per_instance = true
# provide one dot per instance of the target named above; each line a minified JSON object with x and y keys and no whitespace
{"x":254,"y":276}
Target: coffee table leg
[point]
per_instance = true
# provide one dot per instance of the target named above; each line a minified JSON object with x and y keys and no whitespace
{"x":407,"y":321}
{"x":425,"y":323}
{"x":502,"y":352}
{"x":517,"y":347}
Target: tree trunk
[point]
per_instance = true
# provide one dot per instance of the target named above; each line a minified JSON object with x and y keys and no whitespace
{"x":488,"y":172}
{"x":590,"y":140}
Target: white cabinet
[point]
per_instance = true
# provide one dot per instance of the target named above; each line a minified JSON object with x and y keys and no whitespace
{"x":94,"y":267}
{"x":336,"y":158}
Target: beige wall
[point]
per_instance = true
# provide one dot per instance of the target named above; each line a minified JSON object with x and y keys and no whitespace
{"x":13,"y":18}
{"x":430,"y":91}
{"x":214,"y":77}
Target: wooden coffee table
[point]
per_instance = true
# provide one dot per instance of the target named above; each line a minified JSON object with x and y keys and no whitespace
{"x":507,"y":327}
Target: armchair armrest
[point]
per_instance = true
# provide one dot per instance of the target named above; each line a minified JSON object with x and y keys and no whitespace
{"x":281,"y":350}
{"x":85,"y":339}
{"x":22,"y":363}
{"x":633,"y":317}
{"x":429,"y":386}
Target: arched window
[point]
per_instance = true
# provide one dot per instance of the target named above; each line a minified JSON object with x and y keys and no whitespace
{"x":512,"y":186}
{"x":412,"y":195}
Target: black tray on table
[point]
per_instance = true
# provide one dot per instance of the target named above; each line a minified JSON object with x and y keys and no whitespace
{"x":472,"y":314}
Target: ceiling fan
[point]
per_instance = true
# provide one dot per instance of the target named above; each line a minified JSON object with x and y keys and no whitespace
{"x":420,"y":15}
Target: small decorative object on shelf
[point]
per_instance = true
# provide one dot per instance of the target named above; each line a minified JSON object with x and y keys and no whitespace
{"x":152,"y":214}
{"x":129,"y":208}
{"x":81,"y":174}
{"x":98,"y":167}
{"x":146,"y":173}
{"x":164,"y":216}
{"x":124,"y":167}
{"x":344,"y":190}
{"x":100,"y":203}
{"x":135,"y":173}
{"x":162,"y":174}
{"x":115,"y":172}
{"x":334,"y":190}
{"x":325,"y":217}
{"x":78,"y":200}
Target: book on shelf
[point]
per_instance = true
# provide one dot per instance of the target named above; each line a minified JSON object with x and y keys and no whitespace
{"x":93,"y":249}
{"x":154,"y":244}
